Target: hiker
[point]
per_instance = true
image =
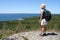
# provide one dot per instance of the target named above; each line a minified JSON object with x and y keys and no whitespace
{"x":45,"y":16}
{"x":43,"y":20}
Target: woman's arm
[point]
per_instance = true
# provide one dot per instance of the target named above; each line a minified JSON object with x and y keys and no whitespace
{"x":41,"y":15}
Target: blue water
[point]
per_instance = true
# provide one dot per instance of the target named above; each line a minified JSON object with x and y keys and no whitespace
{"x":7,"y":17}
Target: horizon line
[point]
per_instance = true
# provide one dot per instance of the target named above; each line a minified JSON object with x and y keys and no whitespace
{"x":26,"y":13}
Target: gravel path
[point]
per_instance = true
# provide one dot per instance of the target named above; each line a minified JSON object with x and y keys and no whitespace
{"x":34,"y":35}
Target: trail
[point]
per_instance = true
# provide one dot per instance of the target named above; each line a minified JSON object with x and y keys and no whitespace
{"x":34,"y":35}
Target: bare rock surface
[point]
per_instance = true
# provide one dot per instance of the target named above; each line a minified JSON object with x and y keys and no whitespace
{"x":34,"y":35}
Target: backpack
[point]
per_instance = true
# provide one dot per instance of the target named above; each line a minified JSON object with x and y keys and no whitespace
{"x":47,"y":15}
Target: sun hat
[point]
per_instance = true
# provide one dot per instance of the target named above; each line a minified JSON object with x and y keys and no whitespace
{"x":43,"y":5}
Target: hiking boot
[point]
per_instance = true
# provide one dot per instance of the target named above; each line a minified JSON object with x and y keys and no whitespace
{"x":43,"y":34}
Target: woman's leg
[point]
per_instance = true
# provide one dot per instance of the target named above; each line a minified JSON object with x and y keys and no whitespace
{"x":43,"y":29}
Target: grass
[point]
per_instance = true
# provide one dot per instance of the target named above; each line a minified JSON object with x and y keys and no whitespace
{"x":11,"y":27}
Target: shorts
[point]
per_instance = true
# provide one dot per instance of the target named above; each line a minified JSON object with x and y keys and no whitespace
{"x":43,"y":22}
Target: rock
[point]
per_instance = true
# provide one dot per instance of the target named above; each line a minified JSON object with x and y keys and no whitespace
{"x":34,"y":35}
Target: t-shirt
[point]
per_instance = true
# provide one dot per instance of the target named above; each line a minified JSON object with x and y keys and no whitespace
{"x":42,"y":11}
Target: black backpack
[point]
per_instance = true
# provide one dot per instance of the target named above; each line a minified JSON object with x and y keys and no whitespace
{"x":47,"y":15}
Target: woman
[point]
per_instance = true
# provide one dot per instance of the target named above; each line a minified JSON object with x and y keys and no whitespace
{"x":43,"y":20}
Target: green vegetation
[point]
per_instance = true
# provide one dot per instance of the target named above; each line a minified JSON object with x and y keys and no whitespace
{"x":8,"y":28}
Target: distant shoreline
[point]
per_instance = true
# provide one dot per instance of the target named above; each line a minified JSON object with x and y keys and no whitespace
{"x":11,"y":17}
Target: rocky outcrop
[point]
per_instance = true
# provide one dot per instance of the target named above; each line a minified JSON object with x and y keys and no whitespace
{"x":34,"y":35}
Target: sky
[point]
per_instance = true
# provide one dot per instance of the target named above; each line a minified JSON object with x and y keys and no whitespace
{"x":28,"y":6}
